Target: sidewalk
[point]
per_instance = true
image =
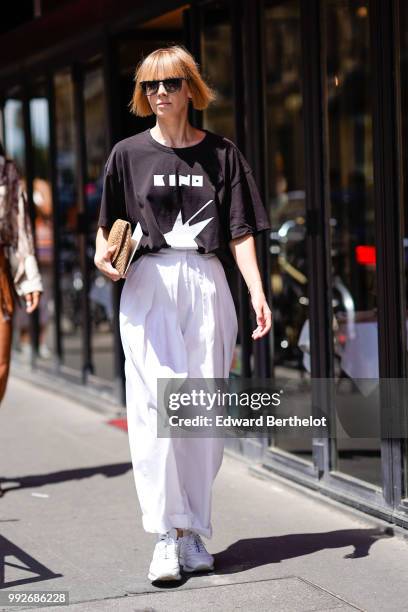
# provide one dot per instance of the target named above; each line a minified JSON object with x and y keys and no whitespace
{"x":71,"y":520}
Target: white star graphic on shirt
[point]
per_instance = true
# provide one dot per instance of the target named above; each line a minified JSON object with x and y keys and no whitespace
{"x":182,"y":234}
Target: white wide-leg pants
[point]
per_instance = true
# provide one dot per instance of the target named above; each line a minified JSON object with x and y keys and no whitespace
{"x":177,"y":319}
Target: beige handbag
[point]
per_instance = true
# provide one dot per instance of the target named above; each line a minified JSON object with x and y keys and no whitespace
{"x":120,"y":235}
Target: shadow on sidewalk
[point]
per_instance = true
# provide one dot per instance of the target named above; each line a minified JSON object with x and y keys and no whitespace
{"x":255,"y":552}
{"x":38,"y":480}
{"x":21,"y":561}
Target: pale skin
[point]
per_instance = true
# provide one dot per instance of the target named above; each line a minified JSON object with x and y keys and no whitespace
{"x":32,"y":301}
{"x":174,"y":130}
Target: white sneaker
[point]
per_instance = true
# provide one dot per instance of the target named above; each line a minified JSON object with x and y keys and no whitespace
{"x":194,"y":557}
{"x":165,"y":563}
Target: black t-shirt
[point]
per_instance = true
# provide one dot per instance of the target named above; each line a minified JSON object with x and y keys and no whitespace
{"x":198,"y":197}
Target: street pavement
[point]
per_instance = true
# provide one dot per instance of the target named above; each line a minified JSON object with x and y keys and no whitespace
{"x":70,"y":520}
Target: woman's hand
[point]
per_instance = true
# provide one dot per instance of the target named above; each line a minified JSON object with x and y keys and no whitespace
{"x":262,"y":311}
{"x":243,"y":250}
{"x":103,"y":254}
{"x":102,"y":261}
{"x":32,"y":300}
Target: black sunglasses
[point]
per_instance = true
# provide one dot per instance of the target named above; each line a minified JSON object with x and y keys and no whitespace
{"x":171,"y":85}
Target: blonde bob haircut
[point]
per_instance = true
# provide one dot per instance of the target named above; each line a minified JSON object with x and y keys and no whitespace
{"x":166,"y":62}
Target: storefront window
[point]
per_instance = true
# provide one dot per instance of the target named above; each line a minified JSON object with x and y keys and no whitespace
{"x":14,"y":131}
{"x":100,"y":294}
{"x":131,"y":49}
{"x":43,"y":228}
{"x":404,"y":126}
{"x":404,"y":129}
{"x":70,"y":272}
{"x":349,"y":114}
{"x":216,"y":62}
{"x":286,"y":188}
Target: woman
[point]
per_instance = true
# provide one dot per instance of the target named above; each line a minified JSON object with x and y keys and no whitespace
{"x":192,"y":196}
{"x":42,"y":198}
{"x":20,"y":280}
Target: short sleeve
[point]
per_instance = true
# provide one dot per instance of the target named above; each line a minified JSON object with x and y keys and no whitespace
{"x":247,"y":213}
{"x":113,"y":204}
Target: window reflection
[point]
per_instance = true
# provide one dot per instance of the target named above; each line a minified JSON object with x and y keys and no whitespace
{"x":216,"y":62}
{"x":14,"y":131}
{"x":404,"y":124}
{"x":286,"y":187}
{"x":404,"y":127}
{"x":69,"y":265}
{"x":43,"y":224}
{"x":42,"y":202}
{"x":353,"y":234}
{"x":100,"y":294}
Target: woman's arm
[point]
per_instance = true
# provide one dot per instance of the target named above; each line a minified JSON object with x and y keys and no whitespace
{"x":244,"y":252}
{"x":103,"y":254}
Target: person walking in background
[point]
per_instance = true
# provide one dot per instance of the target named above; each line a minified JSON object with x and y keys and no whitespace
{"x":193,"y":195}
{"x":20,"y":279}
{"x":43,"y":227}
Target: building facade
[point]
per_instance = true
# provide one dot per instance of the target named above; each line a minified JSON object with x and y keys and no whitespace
{"x":315,"y":93}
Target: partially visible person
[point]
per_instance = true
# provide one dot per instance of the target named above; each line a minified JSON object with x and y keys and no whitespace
{"x":42,"y":198}
{"x":20,"y":279}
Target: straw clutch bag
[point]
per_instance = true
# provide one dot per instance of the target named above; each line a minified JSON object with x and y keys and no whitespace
{"x":120,"y":235}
